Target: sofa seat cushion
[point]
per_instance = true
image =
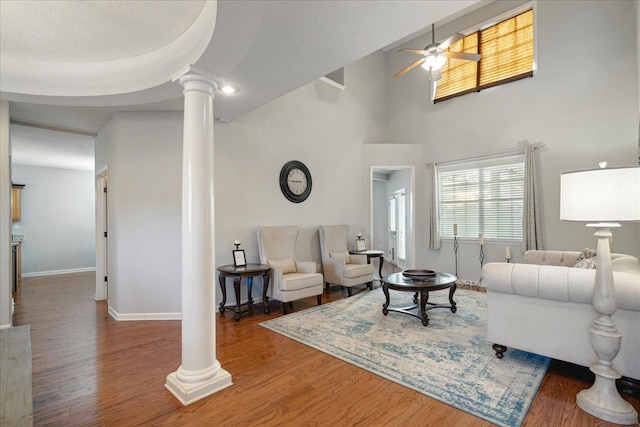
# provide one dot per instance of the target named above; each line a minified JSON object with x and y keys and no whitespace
{"x":296,"y":281}
{"x":558,"y":283}
{"x":351,"y":271}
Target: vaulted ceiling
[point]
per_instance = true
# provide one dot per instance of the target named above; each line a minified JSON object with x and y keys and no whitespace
{"x":71,"y":64}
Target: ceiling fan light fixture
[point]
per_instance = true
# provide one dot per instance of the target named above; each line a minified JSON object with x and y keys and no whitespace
{"x":434,"y":62}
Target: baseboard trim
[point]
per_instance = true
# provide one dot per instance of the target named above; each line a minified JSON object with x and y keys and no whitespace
{"x":53,"y":272}
{"x":127,"y":317}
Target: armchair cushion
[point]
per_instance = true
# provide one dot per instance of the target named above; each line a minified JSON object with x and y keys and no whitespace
{"x":297,"y":281}
{"x":340,"y":267}
{"x":351,"y":271}
{"x":341,"y":255}
{"x":288,"y":265}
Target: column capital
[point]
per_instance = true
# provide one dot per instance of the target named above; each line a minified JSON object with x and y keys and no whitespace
{"x":191,"y":72}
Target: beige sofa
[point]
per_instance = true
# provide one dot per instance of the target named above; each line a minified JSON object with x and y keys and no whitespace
{"x":544,"y":306}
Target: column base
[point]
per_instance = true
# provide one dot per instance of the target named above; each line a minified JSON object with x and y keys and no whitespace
{"x":188,"y":393}
{"x":603,"y":401}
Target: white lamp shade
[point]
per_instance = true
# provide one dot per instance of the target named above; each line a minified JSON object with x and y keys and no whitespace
{"x":601,"y":195}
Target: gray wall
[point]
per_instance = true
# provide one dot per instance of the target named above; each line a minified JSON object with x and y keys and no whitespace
{"x":58,"y":219}
{"x":574,"y":105}
{"x":143,"y":153}
{"x":6,"y":298}
{"x":321,"y":126}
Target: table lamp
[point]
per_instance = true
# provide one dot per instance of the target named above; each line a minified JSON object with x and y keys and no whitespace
{"x":604,"y":197}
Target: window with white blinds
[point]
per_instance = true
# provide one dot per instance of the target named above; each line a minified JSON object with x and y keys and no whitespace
{"x":482,"y":196}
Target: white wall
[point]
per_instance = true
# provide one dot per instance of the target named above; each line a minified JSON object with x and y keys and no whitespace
{"x":574,"y":105}
{"x":57,"y":219}
{"x":143,"y":153}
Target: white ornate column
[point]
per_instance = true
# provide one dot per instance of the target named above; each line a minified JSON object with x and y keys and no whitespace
{"x":200,"y":373}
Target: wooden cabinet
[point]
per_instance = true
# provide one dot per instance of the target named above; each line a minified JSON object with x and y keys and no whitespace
{"x":16,"y":205}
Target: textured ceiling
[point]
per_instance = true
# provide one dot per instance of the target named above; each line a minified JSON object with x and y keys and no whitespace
{"x":266,"y":48}
{"x":91,"y":31}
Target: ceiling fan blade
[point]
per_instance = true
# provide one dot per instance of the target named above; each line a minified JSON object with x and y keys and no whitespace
{"x":410,"y":67}
{"x":416,"y":51}
{"x":463,"y":55}
{"x":451,"y":40}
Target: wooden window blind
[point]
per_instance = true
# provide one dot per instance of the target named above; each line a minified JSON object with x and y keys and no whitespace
{"x":459,"y":76}
{"x":507,"y":55}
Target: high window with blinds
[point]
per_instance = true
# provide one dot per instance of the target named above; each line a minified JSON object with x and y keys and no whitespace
{"x":482,"y":196}
{"x":507,"y":55}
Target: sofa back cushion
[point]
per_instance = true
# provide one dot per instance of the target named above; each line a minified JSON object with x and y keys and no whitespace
{"x":619,"y":262}
{"x":563,"y":258}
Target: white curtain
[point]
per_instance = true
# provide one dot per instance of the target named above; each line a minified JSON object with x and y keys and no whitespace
{"x":434,"y":220}
{"x":531,"y":232}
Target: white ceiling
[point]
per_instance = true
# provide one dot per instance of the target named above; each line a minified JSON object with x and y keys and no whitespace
{"x":50,"y":148}
{"x":120,"y":55}
{"x":91,"y":31}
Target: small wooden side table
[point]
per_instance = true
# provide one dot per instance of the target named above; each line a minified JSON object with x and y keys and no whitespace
{"x":249,"y":271}
{"x":371,"y":253}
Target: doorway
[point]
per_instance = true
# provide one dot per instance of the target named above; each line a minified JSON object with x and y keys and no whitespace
{"x":392,"y":213}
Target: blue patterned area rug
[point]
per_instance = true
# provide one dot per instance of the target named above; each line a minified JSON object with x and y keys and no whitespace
{"x":450,"y":360}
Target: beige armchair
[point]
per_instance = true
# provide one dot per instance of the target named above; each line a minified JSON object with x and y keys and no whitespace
{"x":340,"y":267}
{"x":290,"y":279}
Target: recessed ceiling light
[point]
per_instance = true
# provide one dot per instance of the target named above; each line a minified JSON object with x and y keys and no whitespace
{"x":228,"y":89}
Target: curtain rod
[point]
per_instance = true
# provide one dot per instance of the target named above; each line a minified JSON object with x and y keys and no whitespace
{"x":497,"y":153}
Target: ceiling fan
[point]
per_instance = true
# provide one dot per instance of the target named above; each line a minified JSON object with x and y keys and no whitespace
{"x":434,"y":57}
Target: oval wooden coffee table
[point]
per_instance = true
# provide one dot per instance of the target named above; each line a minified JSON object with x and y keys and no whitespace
{"x":422,"y":287}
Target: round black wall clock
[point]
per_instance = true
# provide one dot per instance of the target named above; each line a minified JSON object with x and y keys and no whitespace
{"x":295,"y":181}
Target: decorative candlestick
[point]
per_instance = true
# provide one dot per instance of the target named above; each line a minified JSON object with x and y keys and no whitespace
{"x":455,"y":245}
{"x":481,"y":258}
{"x":237,"y":243}
{"x":507,"y":253}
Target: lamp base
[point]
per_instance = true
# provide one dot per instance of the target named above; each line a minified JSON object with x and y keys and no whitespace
{"x":603,"y":401}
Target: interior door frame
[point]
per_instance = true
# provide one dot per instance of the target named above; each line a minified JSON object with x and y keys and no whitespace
{"x":102,"y":245}
{"x":411,"y":206}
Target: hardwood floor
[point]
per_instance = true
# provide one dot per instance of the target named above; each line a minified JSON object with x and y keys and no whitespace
{"x":89,"y":370}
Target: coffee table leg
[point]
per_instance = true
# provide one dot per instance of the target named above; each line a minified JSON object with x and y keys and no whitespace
{"x":424,"y":297}
{"x":386,"y":297}
{"x":452,"y":290}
